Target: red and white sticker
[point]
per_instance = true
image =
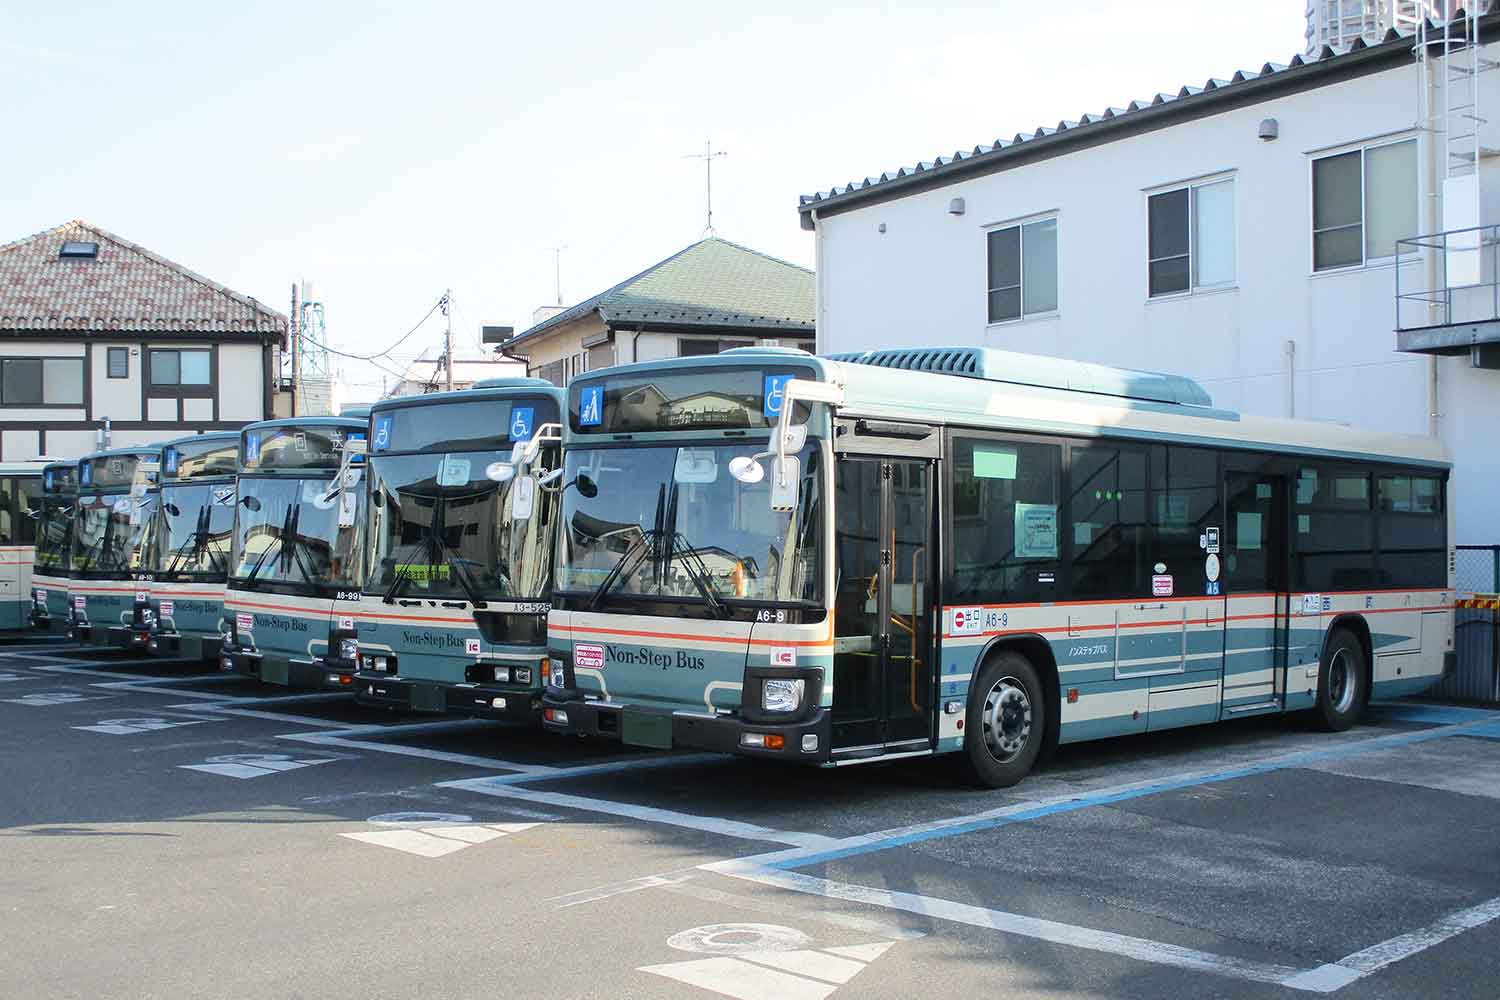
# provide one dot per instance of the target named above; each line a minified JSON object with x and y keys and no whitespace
{"x":41,"y":593}
{"x":1161,"y":585}
{"x":80,"y":603}
{"x":471,"y":647}
{"x":783,"y":656}
{"x":346,"y":622}
{"x":142,"y":596}
{"x":967,"y":621}
{"x":588,"y":657}
{"x":244,"y":623}
{"x":166,"y":607}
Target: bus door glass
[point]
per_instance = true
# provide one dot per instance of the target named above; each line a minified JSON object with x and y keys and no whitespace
{"x":883,"y":682}
{"x":1256,"y":598}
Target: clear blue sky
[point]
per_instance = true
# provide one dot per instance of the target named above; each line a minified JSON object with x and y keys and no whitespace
{"x":389,"y":152}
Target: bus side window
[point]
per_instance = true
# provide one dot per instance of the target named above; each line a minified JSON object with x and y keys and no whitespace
{"x":1107,"y":501}
{"x":1006,"y":520}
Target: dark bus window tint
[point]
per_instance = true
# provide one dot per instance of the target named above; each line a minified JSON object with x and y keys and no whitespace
{"x":1005,"y":520}
{"x":1184,"y":503}
{"x":1108,"y":521}
{"x":1334,"y":550}
{"x":28,"y":498}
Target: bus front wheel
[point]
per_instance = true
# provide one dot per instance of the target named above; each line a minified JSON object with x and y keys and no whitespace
{"x":1007,"y":721}
{"x":1341,"y":681}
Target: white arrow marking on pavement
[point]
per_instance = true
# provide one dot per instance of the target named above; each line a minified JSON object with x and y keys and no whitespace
{"x":746,"y":968}
{"x":13,"y":677}
{"x":436,"y":841}
{"x":44,"y":698}
{"x":253,"y":765}
{"x":128,"y":727}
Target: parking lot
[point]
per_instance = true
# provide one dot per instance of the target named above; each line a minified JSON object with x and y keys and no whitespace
{"x":173,"y":833}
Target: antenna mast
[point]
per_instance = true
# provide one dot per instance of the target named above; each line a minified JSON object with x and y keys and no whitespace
{"x":708,"y":156}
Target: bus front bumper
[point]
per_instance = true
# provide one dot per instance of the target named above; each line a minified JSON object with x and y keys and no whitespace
{"x":307,"y":675}
{"x":477,"y":700}
{"x":804,"y":741}
{"x":128,"y":636}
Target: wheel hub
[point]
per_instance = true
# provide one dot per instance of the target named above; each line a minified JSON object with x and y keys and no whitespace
{"x":1007,"y":719}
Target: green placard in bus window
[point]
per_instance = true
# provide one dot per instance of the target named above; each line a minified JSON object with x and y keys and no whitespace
{"x":994,"y":463}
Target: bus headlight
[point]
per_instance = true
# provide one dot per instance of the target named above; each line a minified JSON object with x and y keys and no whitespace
{"x":349,"y":649}
{"x":779,"y":695}
{"x":557,"y":675}
{"x":521,"y":675}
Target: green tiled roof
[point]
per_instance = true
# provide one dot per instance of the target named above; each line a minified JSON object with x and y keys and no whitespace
{"x":712,"y":284}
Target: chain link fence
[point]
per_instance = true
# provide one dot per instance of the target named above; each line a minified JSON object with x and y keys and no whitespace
{"x":1476,"y":630}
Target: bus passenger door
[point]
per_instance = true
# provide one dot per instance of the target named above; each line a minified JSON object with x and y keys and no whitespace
{"x":1257,"y":604}
{"x":882,"y":664}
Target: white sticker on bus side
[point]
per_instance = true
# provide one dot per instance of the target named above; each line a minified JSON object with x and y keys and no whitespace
{"x":967,"y":621}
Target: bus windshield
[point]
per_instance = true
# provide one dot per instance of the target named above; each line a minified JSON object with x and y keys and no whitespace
{"x":288,"y":533}
{"x":111,"y":534}
{"x":672,"y":522}
{"x":441,"y":527}
{"x":54,"y":532}
{"x":194,"y":529}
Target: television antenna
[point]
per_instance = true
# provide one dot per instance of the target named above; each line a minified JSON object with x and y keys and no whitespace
{"x":708,"y":156}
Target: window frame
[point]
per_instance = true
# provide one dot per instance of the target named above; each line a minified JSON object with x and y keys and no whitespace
{"x":1020,"y":224}
{"x":110,"y":353}
{"x":1191,"y":186}
{"x":178,"y":390}
{"x":1362,"y":148}
{"x":42,"y":359}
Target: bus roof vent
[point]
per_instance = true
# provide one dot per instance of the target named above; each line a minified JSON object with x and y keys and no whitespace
{"x":1037,"y":370}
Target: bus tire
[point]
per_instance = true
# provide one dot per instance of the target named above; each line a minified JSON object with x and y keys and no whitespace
{"x":1341,"y":681}
{"x":1006,"y":722}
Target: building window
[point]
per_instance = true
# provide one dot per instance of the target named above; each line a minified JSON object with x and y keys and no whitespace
{"x":119,"y":362}
{"x":1363,"y":202}
{"x":1191,"y":238}
{"x":695,"y":347}
{"x":1022,"y":270}
{"x":552,"y":372}
{"x":180,"y":368}
{"x":41,"y":382}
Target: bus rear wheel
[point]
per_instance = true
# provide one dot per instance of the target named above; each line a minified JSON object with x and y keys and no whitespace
{"x":1006,"y":723}
{"x":1341,"y":681}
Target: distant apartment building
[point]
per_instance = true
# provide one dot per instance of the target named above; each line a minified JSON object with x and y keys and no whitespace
{"x":97,"y":332}
{"x":1314,"y":240}
{"x":709,"y":297}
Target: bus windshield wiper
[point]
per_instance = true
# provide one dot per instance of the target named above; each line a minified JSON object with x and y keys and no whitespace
{"x":637,"y":550}
{"x":278,"y":543}
{"x":683,"y":551}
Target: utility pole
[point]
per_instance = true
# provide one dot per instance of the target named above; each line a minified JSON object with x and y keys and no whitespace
{"x":708,"y":156}
{"x":448,"y":337}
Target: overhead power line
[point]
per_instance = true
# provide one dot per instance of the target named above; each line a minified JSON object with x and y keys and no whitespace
{"x":380,"y":354}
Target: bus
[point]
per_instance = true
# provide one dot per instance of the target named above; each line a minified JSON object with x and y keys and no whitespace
{"x":111,"y":550}
{"x":294,"y":577}
{"x":906,"y":553}
{"x":458,"y":552}
{"x":184,"y":609}
{"x":20,"y":503}
{"x":51,"y":571}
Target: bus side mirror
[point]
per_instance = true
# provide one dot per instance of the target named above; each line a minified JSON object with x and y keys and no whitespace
{"x":522,"y":498}
{"x":784,"y":484}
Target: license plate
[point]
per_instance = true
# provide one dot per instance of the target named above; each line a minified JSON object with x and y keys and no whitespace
{"x":275,"y":671}
{"x":428,"y":698}
{"x":646,"y":729}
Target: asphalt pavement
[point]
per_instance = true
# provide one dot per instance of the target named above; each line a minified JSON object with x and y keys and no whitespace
{"x":166,"y":832}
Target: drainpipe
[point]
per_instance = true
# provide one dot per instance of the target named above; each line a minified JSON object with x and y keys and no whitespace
{"x":1291,"y":378}
{"x":1431,"y":209}
{"x":818,"y":298}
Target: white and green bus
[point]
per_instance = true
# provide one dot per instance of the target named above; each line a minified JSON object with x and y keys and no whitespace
{"x":51,"y":572}
{"x":458,"y":552}
{"x":912,"y":552}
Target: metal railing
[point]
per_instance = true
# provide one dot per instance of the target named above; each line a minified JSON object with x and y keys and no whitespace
{"x":1459,"y":284}
{"x":1476,"y":630}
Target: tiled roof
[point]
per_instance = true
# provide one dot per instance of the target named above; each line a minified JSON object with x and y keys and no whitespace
{"x":1236,"y":87}
{"x":712,"y":283}
{"x":125,"y":288}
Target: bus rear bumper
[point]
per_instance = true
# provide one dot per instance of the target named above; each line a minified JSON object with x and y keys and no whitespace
{"x":804,"y":742}
{"x":476,"y":700}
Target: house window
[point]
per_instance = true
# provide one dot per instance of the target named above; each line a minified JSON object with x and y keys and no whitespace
{"x":1363,"y":202}
{"x":41,"y":382}
{"x":1191,"y":238}
{"x":179,"y":368}
{"x":119,"y":362}
{"x":693,"y":347}
{"x":1022,"y":270}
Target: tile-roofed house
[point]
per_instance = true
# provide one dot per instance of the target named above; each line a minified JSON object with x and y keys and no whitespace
{"x":96,"y":330}
{"x":707,"y":297}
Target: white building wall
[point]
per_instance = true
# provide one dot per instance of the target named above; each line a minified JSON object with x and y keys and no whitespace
{"x":116,"y":398}
{"x":924,"y":280}
{"x":241,"y":382}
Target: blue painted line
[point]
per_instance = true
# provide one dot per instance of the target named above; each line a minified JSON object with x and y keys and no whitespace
{"x":1488,"y":732}
{"x":1091,"y":801}
{"x":1447,"y":715}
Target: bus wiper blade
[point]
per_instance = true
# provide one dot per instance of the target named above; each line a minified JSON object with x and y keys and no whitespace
{"x":403,"y":574}
{"x":279,"y":543}
{"x":698,"y":572}
{"x":465,"y":578}
{"x":633,"y":555}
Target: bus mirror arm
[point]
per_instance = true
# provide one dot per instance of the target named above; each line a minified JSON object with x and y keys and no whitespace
{"x":525,"y":452}
{"x":786,"y":471}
